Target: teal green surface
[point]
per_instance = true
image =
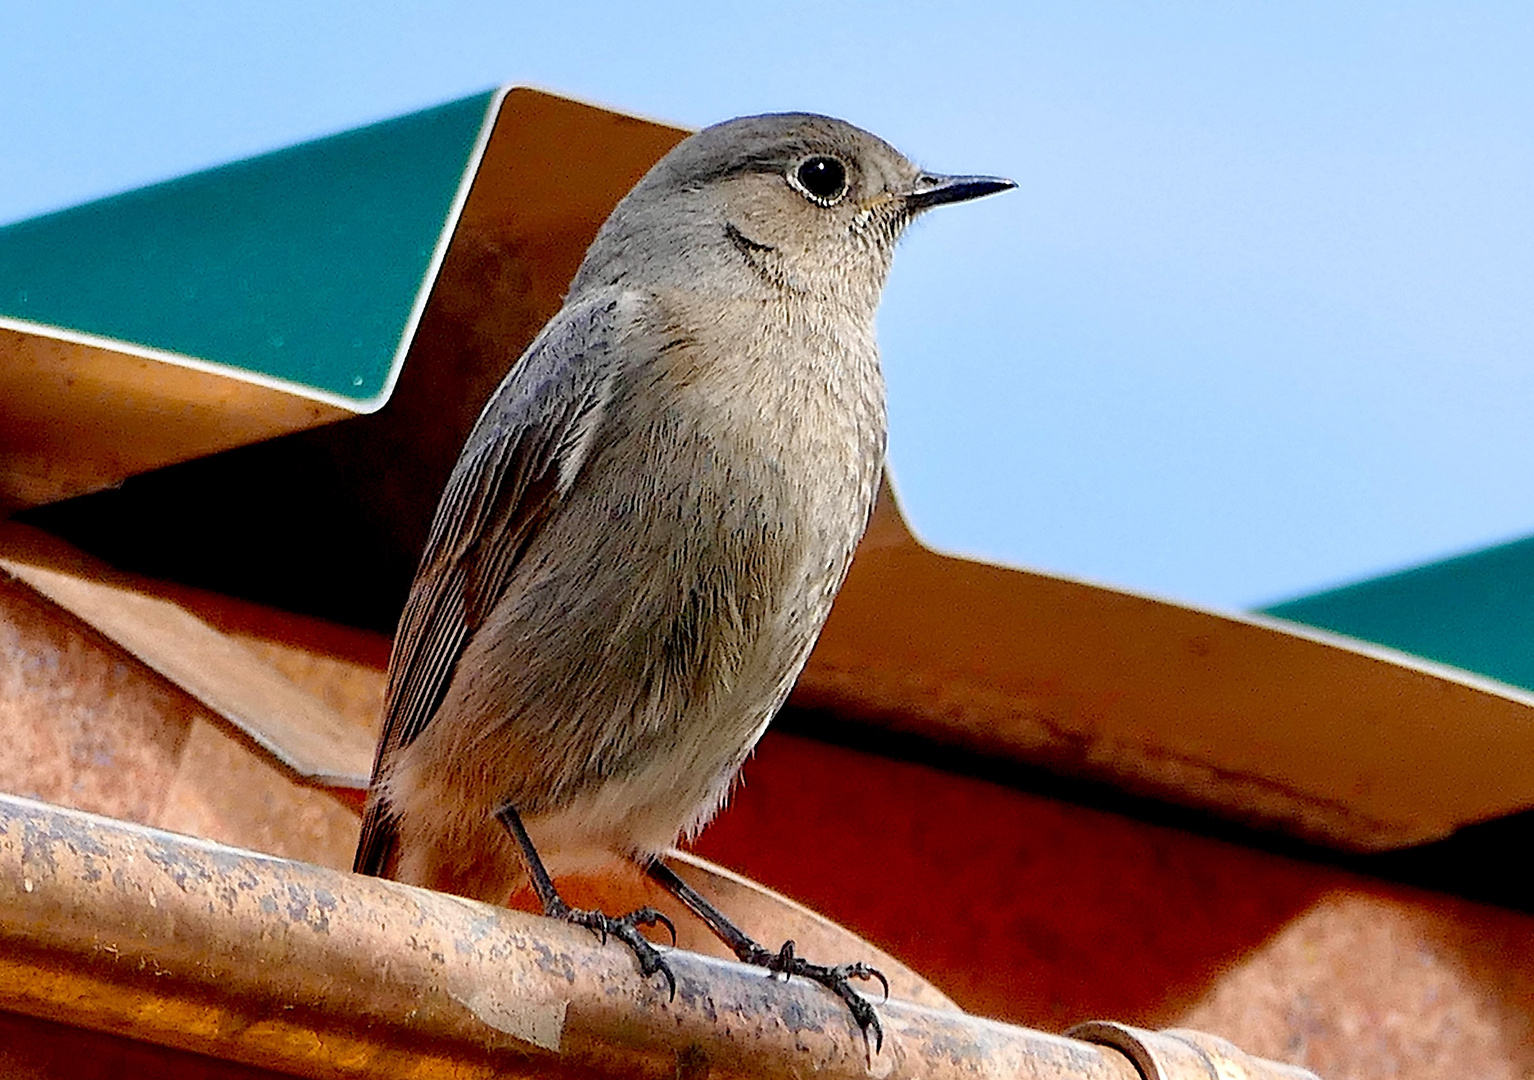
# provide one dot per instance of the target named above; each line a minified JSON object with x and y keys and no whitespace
{"x":1475,"y":612}
{"x":301,"y":264}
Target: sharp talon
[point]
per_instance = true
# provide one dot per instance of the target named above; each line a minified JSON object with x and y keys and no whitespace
{"x":650,"y":962}
{"x":626,"y":930}
{"x":867,"y":1019}
{"x":786,"y":963}
{"x":875,"y":973}
{"x":836,"y":981}
{"x":650,"y":917}
{"x":670,"y":929}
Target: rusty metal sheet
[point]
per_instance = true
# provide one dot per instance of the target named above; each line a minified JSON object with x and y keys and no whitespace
{"x":1350,"y":744}
{"x":293,"y":726}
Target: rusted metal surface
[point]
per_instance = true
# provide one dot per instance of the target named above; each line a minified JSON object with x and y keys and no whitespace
{"x":1249,"y":717}
{"x":294,"y":727}
{"x":85,"y":724}
{"x":117,"y":928}
{"x":79,"y":413}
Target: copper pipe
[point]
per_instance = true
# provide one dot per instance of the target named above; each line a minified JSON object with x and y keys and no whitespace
{"x":185,"y":943}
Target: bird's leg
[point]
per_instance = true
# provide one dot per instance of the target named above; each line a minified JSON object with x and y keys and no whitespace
{"x":625,"y":928}
{"x":784,"y":962}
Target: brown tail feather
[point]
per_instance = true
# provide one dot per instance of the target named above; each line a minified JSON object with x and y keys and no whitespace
{"x":376,"y":846}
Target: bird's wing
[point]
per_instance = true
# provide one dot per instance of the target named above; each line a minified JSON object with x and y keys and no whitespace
{"x":525,"y":450}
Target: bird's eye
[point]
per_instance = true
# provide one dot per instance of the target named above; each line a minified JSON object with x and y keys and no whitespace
{"x":822,"y":178}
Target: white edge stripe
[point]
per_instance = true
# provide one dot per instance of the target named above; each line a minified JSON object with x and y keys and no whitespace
{"x":444,"y":240}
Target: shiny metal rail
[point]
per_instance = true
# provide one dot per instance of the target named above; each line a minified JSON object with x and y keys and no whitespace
{"x":176,"y":941}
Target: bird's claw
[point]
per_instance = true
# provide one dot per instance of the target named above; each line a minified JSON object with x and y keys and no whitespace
{"x":837,"y":979}
{"x":861,"y":970}
{"x":626,"y":929}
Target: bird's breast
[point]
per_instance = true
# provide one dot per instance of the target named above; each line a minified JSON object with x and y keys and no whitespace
{"x":796,"y":387}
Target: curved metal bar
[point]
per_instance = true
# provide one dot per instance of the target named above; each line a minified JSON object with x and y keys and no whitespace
{"x":185,"y":943}
{"x":1181,"y":1054}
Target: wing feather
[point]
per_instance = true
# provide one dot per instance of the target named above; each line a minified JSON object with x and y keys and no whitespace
{"x":524,"y":451}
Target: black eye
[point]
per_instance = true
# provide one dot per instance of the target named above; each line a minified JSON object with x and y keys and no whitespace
{"x":822,"y":178}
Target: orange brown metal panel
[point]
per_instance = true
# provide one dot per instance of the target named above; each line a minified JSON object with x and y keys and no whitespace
{"x":1044,"y":913}
{"x":1019,"y":906}
{"x":292,"y":726}
{"x":76,"y":418}
{"x":1337,"y":741}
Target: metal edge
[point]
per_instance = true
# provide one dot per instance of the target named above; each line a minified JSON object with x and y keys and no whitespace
{"x":1271,"y":623}
{"x":439,"y":253}
{"x":181,"y":360}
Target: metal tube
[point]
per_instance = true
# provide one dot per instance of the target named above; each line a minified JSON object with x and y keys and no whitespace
{"x":115,"y":927}
{"x":1180,"y":1054}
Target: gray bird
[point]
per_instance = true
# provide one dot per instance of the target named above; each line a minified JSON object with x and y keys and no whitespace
{"x":647,"y":526}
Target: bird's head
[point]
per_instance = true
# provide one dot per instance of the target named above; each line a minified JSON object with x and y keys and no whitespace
{"x":787,"y":202}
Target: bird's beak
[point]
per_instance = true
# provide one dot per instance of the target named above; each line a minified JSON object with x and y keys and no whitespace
{"x":931,"y":189}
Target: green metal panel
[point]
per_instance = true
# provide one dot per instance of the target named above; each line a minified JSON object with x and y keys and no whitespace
{"x":1475,"y":612}
{"x":304,"y":265}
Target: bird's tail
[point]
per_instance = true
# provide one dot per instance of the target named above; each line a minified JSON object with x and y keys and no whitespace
{"x":379,"y":839}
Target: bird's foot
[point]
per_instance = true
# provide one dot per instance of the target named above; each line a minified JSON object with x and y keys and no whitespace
{"x":785,"y":961}
{"x":835,"y":978}
{"x":626,"y":929}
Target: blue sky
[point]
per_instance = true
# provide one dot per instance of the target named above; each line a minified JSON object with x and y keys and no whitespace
{"x":1259,"y":320}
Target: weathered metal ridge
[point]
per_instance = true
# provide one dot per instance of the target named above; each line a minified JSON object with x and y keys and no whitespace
{"x":244,"y":957}
{"x":283,"y":292}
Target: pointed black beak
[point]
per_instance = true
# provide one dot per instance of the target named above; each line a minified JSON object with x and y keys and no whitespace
{"x":931,"y":189}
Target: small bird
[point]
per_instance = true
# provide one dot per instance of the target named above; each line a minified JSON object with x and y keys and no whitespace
{"x":646,"y":528}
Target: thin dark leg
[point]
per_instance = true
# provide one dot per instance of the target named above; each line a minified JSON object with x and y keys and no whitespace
{"x":625,"y":928}
{"x":783,"y":962}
